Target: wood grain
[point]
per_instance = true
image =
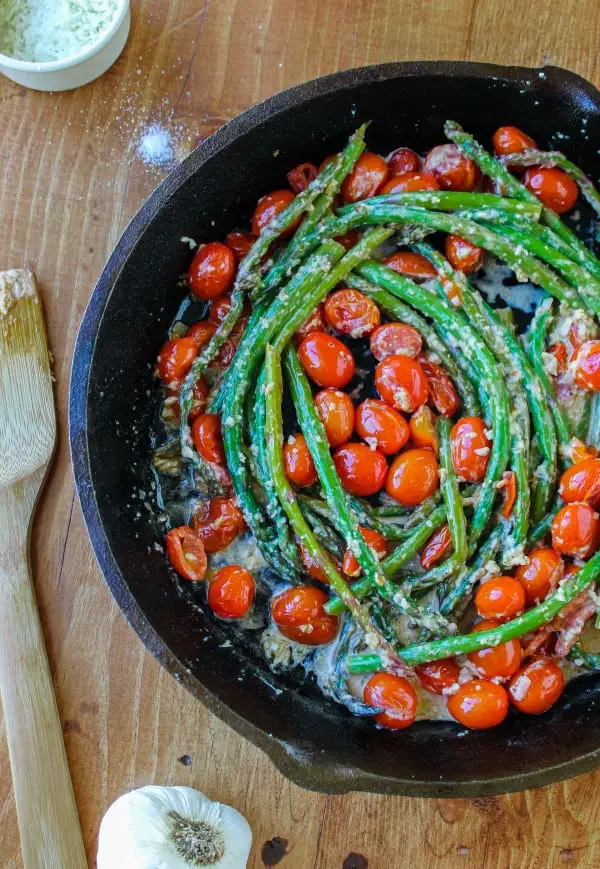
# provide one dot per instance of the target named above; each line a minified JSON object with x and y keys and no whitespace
{"x":72,"y":178}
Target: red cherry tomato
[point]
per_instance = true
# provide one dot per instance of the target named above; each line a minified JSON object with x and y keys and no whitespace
{"x":217,"y":523}
{"x":587,"y":365}
{"x":381,"y":426}
{"x":240,"y":243}
{"x":403,"y":160}
{"x":299,"y":466}
{"x":410,"y":182}
{"x":496,"y":662}
{"x":509,"y":493}
{"x":300,"y":177}
{"x":463,"y":255}
{"x":422,"y":428}
{"x":207,"y":438}
{"x":369,"y":174}
{"x":361,"y":470}
{"x":559,"y":351}
{"x":580,"y":452}
{"x":413,"y":477}
{"x":581,"y":482}
{"x":311,"y":565}
{"x":451,"y":168}
{"x":326,"y":360}
{"x":375,"y":541}
{"x":536,"y":687}
{"x":500,"y":598}
{"x":186,"y":553}
{"x":405,"y":262}
{"x":401,"y":382}
{"x":231,"y":592}
{"x":337,"y":415}
{"x":395,"y":339}
{"x":576,"y":530}
{"x":553,"y":187}
{"x":470,"y":448}
{"x":175,"y":359}
{"x":541,"y":574}
{"x":441,"y":389}
{"x":511,"y":140}
{"x":352,"y":313}
{"x":201,"y":333}
{"x":348,"y":239}
{"x":479,"y":704}
{"x":269,"y":207}
{"x":212,"y":271}
{"x":439,"y":676}
{"x":199,"y":396}
{"x":396,"y":695}
{"x":315,"y":323}
{"x":298,"y":613}
{"x":437,"y":547}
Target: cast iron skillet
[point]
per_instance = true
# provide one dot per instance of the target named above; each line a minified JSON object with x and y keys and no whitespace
{"x":314,"y":742}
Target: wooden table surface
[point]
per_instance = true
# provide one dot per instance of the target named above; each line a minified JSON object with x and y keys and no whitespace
{"x":72,"y":178}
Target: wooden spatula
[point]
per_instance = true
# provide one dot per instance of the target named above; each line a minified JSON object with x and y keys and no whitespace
{"x":50,"y":833}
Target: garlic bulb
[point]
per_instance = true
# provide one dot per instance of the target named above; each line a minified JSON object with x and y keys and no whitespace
{"x":172,"y":828}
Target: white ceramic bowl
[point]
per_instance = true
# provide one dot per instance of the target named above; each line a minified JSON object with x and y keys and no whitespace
{"x":75,"y":71}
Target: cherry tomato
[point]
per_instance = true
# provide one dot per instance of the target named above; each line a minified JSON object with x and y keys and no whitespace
{"x":463,"y":255}
{"x":337,"y":415}
{"x":223,"y":358}
{"x":298,"y":462}
{"x":269,"y":207}
{"x":175,"y":359}
{"x":326,"y":163}
{"x":496,"y":662}
{"x":186,"y":553}
{"x":368,"y":176}
{"x":536,"y":687}
{"x":348,"y":239}
{"x":395,"y":339}
{"x":509,"y":493}
{"x":541,"y":574}
{"x":439,"y":676}
{"x":352,"y":313}
{"x":587,"y":365}
{"x":511,"y":140}
{"x":375,"y":541}
{"x":500,"y":598}
{"x":298,"y":613}
{"x":559,"y":351}
{"x":218,"y":309}
{"x":553,"y":187}
{"x":240,"y":243}
{"x":401,"y":382}
{"x":410,"y":182}
{"x":315,"y":323}
{"x":422,"y":428}
{"x":381,"y":426}
{"x":231,"y":592}
{"x":581,"y":482}
{"x":451,"y":168}
{"x":479,"y":704}
{"x":217,"y":523}
{"x":199,"y":395}
{"x":361,"y":470}
{"x":311,"y":565}
{"x":212,"y":271}
{"x":441,"y":389}
{"x":437,"y":547}
{"x":301,"y":176}
{"x":201,"y":333}
{"x":470,"y":448}
{"x":396,"y":695}
{"x":326,"y":360}
{"x":576,"y":530}
{"x":206,"y":435}
{"x":403,"y":160}
{"x":413,"y":477}
{"x":405,"y":262}
{"x":579,"y":452}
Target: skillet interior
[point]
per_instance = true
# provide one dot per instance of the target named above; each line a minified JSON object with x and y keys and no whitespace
{"x":314,"y":742}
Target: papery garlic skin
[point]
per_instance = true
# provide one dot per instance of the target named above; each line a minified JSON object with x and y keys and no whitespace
{"x":137,"y":831}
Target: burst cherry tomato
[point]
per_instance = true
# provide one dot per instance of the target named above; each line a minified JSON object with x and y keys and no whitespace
{"x":381,"y":426}
{"x":580,"y":452}
{"x":375,"y":541}
{"x":299,"y":466}
{"x":201,"y":333}
{"x":576,"y":530}
{"x":581,"y":482}
{"x":175,"y":359}
{"x":500,"y":598}
{"x":437,"y":547}
{"x":496,"y":662}
{"x":199,"y":395}
{"x":541,"y":574}
{"x":509,"y":493}
{"x":212,"y":271}
{"x":511,"y":140}
{"x":422,"y":428}
{"x":587,"y":365}
{"x":439,"y":676}
{"x":405,"y":262}
{"x":361,"y":470}
{"x":410,"y":182}
{"x":186,"y":553}
{"x":217,"y":523}
{"x":559,"y":351}
{"x":300,"y":177}
{"x":403,"y":160}
{"x":348,"y":239}
{"x":269,"y":207}
{"x":553,"y":187}
{"x":207,"y":438}
{"x":413,"y":477}
{"x":441,"y":389}
{"x":401,"y":382}
{"x":298,"y":613}
{"x":479,"y":704}
{"x":311,"y":565}
{"x":352,"y":313}
{"x":536,"y":687}
{"x":240,"y":243}
{"x":326,"y":360}
{"x":470,"y":448}
{"x":231,"y":592}
{"x":463,"y":255}
{"x":315,"y":323}
{"x":395,"y":339}
{"x":337,"y":415}
{"x":451,"y":168}
{"x":396,"y":695}
{"x":368,"y":176}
